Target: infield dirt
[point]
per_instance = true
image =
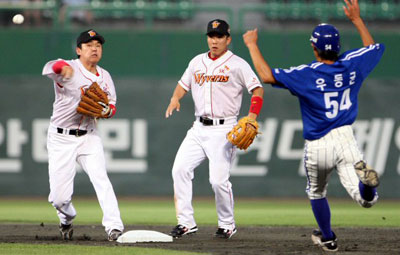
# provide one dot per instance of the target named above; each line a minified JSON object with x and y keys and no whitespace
{"x":248,"y":240}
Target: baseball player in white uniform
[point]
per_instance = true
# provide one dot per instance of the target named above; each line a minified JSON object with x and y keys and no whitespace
{"x":73,"y":137}
{"x":217,"y":79}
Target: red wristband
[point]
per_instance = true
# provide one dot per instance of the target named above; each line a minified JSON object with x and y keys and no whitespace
{"x":113,"y":110}
{"x":58,"y":66}
{"x":256,"y":104}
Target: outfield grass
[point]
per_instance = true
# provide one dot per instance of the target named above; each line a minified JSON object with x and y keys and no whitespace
{"x":260,"y":212}
{"x":46,"y":249}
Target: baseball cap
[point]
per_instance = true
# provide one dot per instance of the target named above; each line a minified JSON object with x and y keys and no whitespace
{"x":326,"y":38}
{"x":89,"y":35}
{"x":218,"y":26}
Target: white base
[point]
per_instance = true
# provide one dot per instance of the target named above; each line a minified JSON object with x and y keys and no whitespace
{"x":140,"y":236}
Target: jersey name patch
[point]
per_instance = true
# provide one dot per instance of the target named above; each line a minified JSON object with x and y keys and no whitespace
{"x":200,"y":78}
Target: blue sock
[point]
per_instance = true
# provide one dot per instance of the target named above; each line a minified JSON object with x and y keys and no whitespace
{"x":366,"y":192}
{"x":322,"y":214}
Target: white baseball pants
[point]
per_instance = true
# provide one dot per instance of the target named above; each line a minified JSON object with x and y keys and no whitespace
{"x":203,"y":142}
{"x":337,"y":149}
{"x":64,"y":151}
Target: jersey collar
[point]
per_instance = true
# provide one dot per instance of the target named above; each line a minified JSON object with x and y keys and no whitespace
{"x":219,"y":60}
{"x":88,"y":74}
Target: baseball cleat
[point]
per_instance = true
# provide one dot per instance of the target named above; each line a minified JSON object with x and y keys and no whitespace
{"x":326,"y":245}
{"x":66,"y":231}
{"x":367,"y":175}
{"x":114,"y":234}
{"x":225,"y":233}
{"x":180,"y":230}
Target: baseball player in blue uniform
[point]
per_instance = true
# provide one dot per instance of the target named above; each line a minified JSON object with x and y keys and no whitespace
{"x":327,"y":90}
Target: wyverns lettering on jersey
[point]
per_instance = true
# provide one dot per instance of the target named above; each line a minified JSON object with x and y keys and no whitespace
{"x":200,"y":78}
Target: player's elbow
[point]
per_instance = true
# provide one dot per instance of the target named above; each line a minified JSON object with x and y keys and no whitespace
{"x":268,"y":79}
{"x":264,"y":79}
{"x":266,"y":76}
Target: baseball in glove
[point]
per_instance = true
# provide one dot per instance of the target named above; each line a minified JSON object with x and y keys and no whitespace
{"x":242,"y":135}
{"x":94,"y":103}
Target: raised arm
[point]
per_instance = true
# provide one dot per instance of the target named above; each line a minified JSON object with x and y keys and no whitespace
{"x":352,"y":11}
{"x":261,"y":66}
{"x":61,"y":67}
{"x":179,"y":92}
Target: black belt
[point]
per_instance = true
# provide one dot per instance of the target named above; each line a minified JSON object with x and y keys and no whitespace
{"x":75,"y":132}
{"x":210,"y":122}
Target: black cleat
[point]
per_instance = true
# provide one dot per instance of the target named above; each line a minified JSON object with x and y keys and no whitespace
{"x":114,"y":234}
{"x":66,"y":231}
{"x":225,"y":233}
{"x":326,"y":245}
{"x":180,"y":230}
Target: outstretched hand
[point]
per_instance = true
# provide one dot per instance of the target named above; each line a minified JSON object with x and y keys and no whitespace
{"x":352,"y":9}
{"x":173,"y":105}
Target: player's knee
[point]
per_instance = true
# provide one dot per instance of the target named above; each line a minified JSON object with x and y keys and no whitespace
{"x":181,"y":172}
{"x":316,"y":194}
{"x":215,"y":184}
{"x":220,"y":184}
{"x":177,"y":171}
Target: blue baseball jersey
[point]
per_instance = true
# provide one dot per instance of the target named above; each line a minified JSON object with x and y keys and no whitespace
{"x":328,"y":93}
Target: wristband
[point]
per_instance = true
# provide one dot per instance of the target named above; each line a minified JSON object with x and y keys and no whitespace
{"x":256,"y":104}
{"x":113,"y":110}
{"x":58,"y":66}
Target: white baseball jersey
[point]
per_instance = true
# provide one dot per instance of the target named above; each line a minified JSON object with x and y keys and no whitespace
{"x":68,"y":94}
{"x":64,"y":149}
{"x":217,"y":85}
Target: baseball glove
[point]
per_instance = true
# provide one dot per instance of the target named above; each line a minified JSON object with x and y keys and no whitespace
{"x":242,"y":135}
{"x":94,"y":103}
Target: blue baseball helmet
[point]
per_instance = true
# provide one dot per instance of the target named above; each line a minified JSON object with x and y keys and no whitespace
{"x":326,"y":37}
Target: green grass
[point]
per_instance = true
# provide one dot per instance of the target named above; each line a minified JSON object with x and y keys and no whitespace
{"x":44,"y":249}
{"x":261,"y":212}
{"x":248,"y":212}
{"x":345,"y":213}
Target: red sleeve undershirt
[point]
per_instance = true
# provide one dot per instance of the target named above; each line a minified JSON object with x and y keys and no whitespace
{"x":57,"y":67}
